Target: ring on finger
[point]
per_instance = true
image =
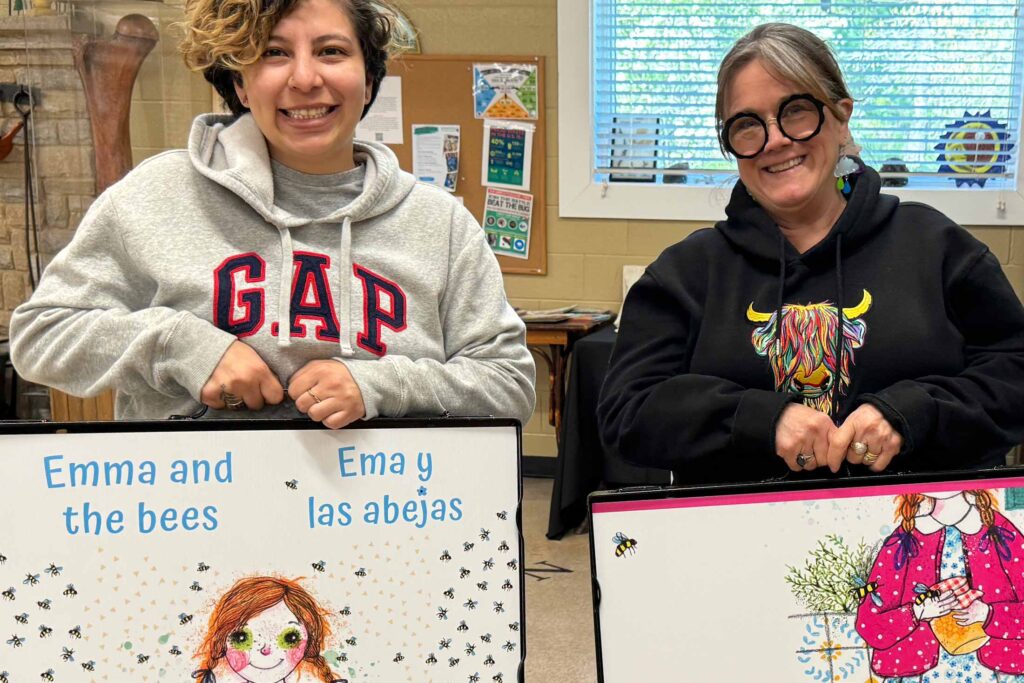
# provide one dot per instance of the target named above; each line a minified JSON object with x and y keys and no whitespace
{"x":870,"y":458}
{"x":316,"y":398}
{"x":231,"y":401}
{"x":859,"y":447}
{"x":803,"y":460}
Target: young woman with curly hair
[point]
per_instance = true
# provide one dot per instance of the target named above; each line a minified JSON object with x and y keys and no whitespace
{"x":278,"y":257}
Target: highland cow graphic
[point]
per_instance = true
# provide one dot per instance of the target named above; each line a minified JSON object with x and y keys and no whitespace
{"x":802,"y":353}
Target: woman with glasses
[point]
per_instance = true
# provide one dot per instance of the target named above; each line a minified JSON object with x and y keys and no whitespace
{"x":822,"y":324}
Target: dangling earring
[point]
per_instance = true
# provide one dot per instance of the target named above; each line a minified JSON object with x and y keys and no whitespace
{"x":845,"y":167}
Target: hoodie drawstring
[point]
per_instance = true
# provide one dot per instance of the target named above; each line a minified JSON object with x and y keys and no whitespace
{"x":284,"y":297}
{"x":345,"y":294}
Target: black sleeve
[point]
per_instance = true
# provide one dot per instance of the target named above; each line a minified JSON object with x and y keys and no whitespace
{"x":982,"y":408}
{"x":654,"y":412}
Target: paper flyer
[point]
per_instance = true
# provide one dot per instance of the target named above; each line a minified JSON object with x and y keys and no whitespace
{"x":507,"y":154}
{"x":505,"y":91}
{"x":507,"y":217}
{"x":383,"y":123}
{"x":435,"y":155}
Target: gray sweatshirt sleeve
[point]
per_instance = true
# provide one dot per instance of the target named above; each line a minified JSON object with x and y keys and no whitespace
{"x":90,"y":325}
{"x":489,"y":370}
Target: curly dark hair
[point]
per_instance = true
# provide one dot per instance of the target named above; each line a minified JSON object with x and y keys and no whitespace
{"x":224,"y":36}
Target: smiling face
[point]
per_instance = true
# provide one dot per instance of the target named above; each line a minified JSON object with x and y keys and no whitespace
{"x":268,"y":647}
{"x":308,"y":90}
{"x":792,"y":181}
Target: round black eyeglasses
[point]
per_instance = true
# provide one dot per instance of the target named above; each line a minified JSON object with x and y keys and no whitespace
{"x":800,"y":118}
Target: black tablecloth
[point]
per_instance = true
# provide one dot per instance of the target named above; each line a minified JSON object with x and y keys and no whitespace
{"x":584,"y":465}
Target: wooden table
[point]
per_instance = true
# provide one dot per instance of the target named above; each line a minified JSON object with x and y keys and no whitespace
{"x":553,"y":342}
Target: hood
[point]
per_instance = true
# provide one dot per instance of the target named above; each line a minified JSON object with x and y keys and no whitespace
{"x":752,"y":232}
{"x":233,"y":153}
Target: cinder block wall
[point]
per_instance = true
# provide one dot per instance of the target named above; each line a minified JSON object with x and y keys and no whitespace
{"x":585,"y":257}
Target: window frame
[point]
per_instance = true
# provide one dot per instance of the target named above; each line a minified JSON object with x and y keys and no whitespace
{"x":580,"y":196}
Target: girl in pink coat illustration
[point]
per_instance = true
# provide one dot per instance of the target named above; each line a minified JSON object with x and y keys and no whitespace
{"x":951,"y":583}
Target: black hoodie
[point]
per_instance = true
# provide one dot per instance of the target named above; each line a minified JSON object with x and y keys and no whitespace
{"x":933,"y":336}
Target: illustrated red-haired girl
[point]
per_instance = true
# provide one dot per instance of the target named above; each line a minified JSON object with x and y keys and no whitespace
{"x":947,"y":593}
{"x":266,"y":630}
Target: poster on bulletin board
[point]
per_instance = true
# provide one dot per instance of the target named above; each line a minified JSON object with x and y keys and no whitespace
{"x":897,"y":579}
{"x":261,"y":551}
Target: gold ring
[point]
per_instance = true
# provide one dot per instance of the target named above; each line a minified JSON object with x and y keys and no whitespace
{"x":315,"y":397}
{"x":870,"y":458}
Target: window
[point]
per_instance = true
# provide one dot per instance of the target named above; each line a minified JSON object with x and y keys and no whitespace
{"x":937,"y":88}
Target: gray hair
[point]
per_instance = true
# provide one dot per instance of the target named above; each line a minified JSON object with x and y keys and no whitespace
{"x":790,"y":53}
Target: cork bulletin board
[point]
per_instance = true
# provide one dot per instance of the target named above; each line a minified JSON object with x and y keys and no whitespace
{"x":438,"y":89}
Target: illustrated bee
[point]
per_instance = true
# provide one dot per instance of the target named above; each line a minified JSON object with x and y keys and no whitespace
{"x":474,"y":678}
{"x":21,"y":618}
{"x":292,"y":484}
{"x":431,"y":659}
{"x":623,"y":543}
{"x":486,"y":637}
{"x":467,"y":546}
{"x":499,"y":607}
{"x":360,"y":572}
{"x":497,"y":678}
{"x":442,"y":614}
{"x":489,"y":563}
{"x":67,"y":655}
{"x":8,"y":594}
{"x":70,"y":591}
{"x":445,"y":556}
{"x":512,"y":564}
{"x":175,"y":650}
{"x":470,"y":604}
{"x":463,"y":572}
{"x":47,"y":675}
{"x":89,"y":666}
{"x":485,"y":535}
{"x":862,"y":590}
{"x":450,"y":594}
{"x":43,"y":604}
{"x":44,"y":631}
{"x":3,"y":558}
{"x":202,"y":567}
{"x":445,"y":643}
{"x":142,"y":659}
{"x":507,"y":586}
{"x":514,"y":626}
{"x":509,"y":646}
{"x":15,"y":640}
{"x":195,"y":587}
{"x":398,"y":657}
{"x":54,"y":570}
{"x":503,"y":547}
{"x":184,"y":618}
{"x":482,"y":585}
{"x":31,"y":579}
{"x":351,"y":641}
{"x":453,"y":661}
{"x":502,"y":515}
{"x":923,"y":593}
{"x":319,"y":566}
{"x":489,"y":661}
{"x":343,"y":657}
{"x":4,"y":677}
{"x":346,"y":611}
{"x":76,"y":632}
{"x":463,"y":626}
{"x":470,"y":649}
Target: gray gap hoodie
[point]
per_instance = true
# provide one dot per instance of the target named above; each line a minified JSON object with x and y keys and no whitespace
{"x":189,"y":252}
